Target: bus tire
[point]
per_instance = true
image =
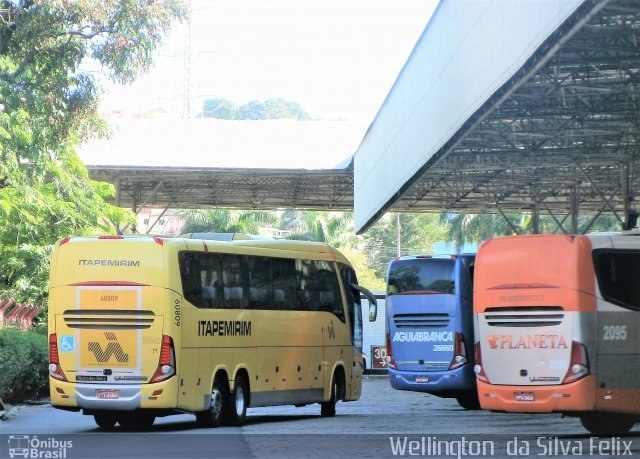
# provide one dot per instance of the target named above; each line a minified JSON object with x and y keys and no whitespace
{"x":607,"y":423}
{"x":469,"y":400}
{"x":238,"y":401}
{"x":106,"y":420}
{"x":328,"y":408}
{"x":218,"y":399}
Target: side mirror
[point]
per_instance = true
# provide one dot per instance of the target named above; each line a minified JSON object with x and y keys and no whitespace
{"x":373,"y":304}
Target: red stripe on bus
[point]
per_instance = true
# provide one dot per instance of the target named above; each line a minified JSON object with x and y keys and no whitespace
{"x":108,"y":284}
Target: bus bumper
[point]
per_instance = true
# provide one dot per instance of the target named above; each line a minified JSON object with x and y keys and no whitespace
{"x":66,"y":395}
{"x":460,"y":379}
{"x":576,"y":396}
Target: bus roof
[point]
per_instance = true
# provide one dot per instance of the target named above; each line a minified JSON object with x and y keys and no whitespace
{"x":306,"y":247}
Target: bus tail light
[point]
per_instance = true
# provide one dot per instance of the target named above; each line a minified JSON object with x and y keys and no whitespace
{"x":579,"y":364}
{"x":478,"y":368}
{"x":167,"y":363}
{"x":391,"y":363}
{"x":54,"y":360}
{"x":459,"y":352}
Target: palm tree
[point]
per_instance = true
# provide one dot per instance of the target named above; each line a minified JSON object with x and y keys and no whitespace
{"x":226,"y":220}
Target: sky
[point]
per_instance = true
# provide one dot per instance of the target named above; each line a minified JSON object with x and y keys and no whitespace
{"x":337,"y":58}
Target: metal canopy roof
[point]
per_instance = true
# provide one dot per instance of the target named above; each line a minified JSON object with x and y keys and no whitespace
{"x":561,"y":136}
{"x":192,"y":187}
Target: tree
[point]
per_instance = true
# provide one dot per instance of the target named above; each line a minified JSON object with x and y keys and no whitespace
{"x":253,"y":110}
{"x":479,"y":227}
{"x":280,"y":108}
{"x":222,"y":109}
{"x":48,"y":105}
{"x":418,"y":232}
{"x":226,"y":220}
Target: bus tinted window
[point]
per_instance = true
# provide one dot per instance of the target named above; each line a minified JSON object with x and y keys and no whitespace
{"x":420,"y":276}
{"x":229,"y":281}
{"x":618,"y":273}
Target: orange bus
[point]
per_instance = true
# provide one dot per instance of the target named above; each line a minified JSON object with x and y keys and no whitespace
{"x":558,"y":327}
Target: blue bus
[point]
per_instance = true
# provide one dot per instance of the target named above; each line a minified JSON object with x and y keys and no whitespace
{"x":429,"y":335}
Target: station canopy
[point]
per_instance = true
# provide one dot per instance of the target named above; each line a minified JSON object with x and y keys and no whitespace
{"x":508,"y":107}
{"x":206,"y":163}
{"x":502,"y":107}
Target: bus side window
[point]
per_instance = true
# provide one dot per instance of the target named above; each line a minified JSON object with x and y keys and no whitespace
{"x":307,"y":288}
{"x":211,"y":284}
{"x":260,"y":289}
{"x":283,"y":277}
{"x":235,"y":286}
{"x":190,"y":272}
{"x":329,"y":298}
{"x":355,"y":305}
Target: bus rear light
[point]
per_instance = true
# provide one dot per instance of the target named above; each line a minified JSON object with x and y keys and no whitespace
{"x":478,"y":369}
{"x":158,"y":240}
{"x":167,"y":363}
{"x":459,"y":353}
{"x":64,"y":241}
{"x":54,"y":360}
{"x":391,"y":363}
{"x":579,"y":364}
{"x":110,"y":237}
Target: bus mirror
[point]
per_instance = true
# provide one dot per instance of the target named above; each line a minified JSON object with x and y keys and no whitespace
{"x":373,"y":312}
{"x":373,"y":304}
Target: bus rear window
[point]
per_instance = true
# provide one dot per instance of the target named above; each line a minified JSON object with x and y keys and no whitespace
{"x":421,"y":277}
{"x":618,"y":272}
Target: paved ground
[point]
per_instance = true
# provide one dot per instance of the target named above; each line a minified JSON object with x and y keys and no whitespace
{"x":381,"y":423}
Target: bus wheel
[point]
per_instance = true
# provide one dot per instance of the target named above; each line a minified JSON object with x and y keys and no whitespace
{"x":237,"y":408}
{"x":328,"y":409}
{"x":105,"y":420}
{"x":469,"y":400}
{"x":217,"y":401}
{"x":607,"y":423}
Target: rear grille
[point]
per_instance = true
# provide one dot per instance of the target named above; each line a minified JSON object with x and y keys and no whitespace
{"x":524,"y":316}
{"x":421,"y":320}
{"x":106,"y":319}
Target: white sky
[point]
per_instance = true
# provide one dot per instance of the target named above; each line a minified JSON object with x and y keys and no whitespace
{"x":337,"y":58}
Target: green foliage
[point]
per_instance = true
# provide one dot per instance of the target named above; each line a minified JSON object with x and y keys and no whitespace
{"x":367,"y":277}
{"x":225,"y":221}
{"x":334,"y":228}
{"x":418,"y":232}
{"x":280,"y":108}
{"x":222,"y":109}
{"x":48,"y":106}
{"x":463,"y":228}
{"x":254,"y":110}
{"x":24,"y":359}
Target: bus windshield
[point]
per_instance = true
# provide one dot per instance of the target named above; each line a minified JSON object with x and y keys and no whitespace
{"x":414,"y":277}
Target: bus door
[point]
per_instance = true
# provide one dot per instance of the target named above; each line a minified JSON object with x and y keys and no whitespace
{"x":618,"y":317}
{"x":354,"y":306}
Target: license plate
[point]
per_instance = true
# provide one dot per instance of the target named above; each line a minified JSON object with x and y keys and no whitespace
{"x":422,"y":379}
{"x":525,"y":396}
{"x":107,"y":394}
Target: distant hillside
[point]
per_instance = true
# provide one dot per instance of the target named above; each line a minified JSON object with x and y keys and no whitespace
{"x":270,"y":109}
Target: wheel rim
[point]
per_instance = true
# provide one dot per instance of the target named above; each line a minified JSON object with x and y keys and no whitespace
{"x":216,"y":403}
{"x":239,"y":399}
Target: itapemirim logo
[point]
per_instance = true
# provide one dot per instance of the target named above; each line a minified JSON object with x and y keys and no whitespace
{"x":113,"y":348}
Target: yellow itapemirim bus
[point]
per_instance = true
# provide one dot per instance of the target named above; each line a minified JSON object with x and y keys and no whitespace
{"x":141,"y":327}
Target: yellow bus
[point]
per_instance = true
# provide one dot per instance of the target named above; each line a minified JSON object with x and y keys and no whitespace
{"x":141,"y":327}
